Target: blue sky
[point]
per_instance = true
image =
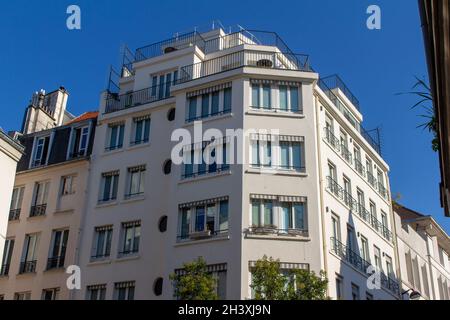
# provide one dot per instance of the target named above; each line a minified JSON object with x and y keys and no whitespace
{"x":38,"y":51}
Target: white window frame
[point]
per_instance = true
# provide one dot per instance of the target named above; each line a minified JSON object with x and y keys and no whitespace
{"x":68,"y":185}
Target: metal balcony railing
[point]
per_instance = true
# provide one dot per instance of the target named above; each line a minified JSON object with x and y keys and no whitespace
{"x":346,"y":154}
{"x":371,"y":179}
{"x":359,"y":167}
{"x":183,"y":236}
{"x":358,"y":262}
{"x":332,"y":139}
{"x":14,"y":214}
{"x":335,"y":82}
{"x":274,"y":230}
{"x":358,"y":208}
{"x":115,"y":102}
{"x":28,"y":267}
{"x":38,"y":210}
{"x":210,"y":169}
{"x":55,"y":262}
{"x":244,"y":58}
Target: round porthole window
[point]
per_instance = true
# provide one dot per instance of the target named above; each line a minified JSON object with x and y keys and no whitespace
{"x":162,"y":225}
{"x":158,"y":286}
{"x":167,"y":168}
{"x":171,"y":114}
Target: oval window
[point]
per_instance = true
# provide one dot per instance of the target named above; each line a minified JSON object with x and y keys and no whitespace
{"x":171,"y":114}
{"x":162,"y":225}
{"x":158,"y":286}
{"x":167,"y":167}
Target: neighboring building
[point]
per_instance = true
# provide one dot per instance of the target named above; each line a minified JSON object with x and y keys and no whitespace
{"x":435,"y":16}
{"x":10,"y":153}
{"x":47,"y":207}
{"x":424,"y":250}
{"x":314,"y":192}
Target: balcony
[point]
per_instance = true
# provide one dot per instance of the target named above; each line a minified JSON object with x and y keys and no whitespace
{"x":355,"y":207}
{"x":335,"y":82}
{"x":332,"y":140}
{"x":354,"y":259}
{"x":203,"y":234}
{"x":4,"y":270}
{"x":245,"y":58}
{"x":38,"y":210}
{"x":359,"y":167}
{"x":27,"y":267}
{"x":116,"y":102}
{"x":55,"y":262}
{"x":346,"y":154}
{"x":271,"y":230}
{"x":14,"y":214}
{"x":208,"y":171}
{"x":371,"y":179}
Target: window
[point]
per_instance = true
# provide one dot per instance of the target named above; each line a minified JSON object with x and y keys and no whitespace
{"x":357,"y":157}
{"x":209,"y":158}
{"x":39,"y":201}
{"x":384,"y":224}
{"x":416,"y":274}
{"x":370,"y":176}
{"x":289,"y":153}
{"x":109,"y":185}
{"x":50,"y":294}
{"x":141,"y":129}
{"x":102,"y":242}
{"x":292,"y":216}
{"x":409,"y":268}
{"x":116,"y":133}
{"x":16,"y":203}
{"x":192,"y":109}
{"x":425,"y":280}
{"x":96,"y":292}
{"x":22,"y":296}
{"x":67,"y":185}
{"x":441,"y":256}
{"x":347,"y":191}
{"x":389,"y":266}
{"x":162,"y":224}
{"x":227,"y":100}
{"x":40,"y":151}
{"x":262,"y":213}
{"x":58,"y":247}
{"x":161,"y":85}
{"x":29,"y":254}
{"x":289,"y":98}
{"x":266,"y":97}
{"x":365,"y":254}
{"x":339,"y":288}
{"x":167,"y":167}
{"x":291,"y":156}
{"x":373,"y":212}
{"x":78,"y":142}
{"x":332,"y":179}
{"x":361,"y":201}
{"x":355,"y":292}
{"x":351,"y":238}
{"x":207,"y":218}
{"x":377,"y":256}
{"x":136,"y":180}
{"x":171,"y":114}
{"x":124,"y":290}
{"x":208,"y":104}
{"x":261,"y":153}
{"x":336,"y":227}
{"x":158,"y":286}
{"x":131,"y":235}
{"x":7,"y":256}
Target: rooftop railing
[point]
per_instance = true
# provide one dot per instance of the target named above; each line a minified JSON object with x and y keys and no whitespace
{"x":335,"y":82}
{"x":244,"y":58}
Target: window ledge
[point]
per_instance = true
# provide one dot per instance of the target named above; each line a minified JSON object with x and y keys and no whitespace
{"x":128,"y":257}
{"x":106,"y":204}
{"x":208,"y":119}
{"x":61,"y":212}
{"x":36,"y":217}
{"x":189,"y":242}
{"x":277,"y":172}
{"x":206,"y":176}
{"x":138,"y":146}
{"x":99,"y":261}
{"x":55,"y":270}
{"x":298,"y":238}
{"x":133,"y":199}
{"x":110,"y":152}
{"x":275,"y":113}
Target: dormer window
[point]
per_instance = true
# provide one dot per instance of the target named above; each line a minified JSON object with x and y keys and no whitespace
{"x":41,"y":148}
{"x":79,"y":142}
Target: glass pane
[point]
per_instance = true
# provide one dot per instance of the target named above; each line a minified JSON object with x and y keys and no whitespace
{"x":285,"y":217}
{"x":205,"y":105}
{"x":121,"y":131}
{"x":266,"y":97}
{"x":255,"y":153}
{"x":294,"y":99}
{"x":296,"y":156}
{"x":146,"y":130}
{"x":210,"y":217}
{"x":223,"y":216}
{"x":283,"y":98}
{"x":113,"y":139}
{"x":267,"y":153}
{"x":284,"y":155}
{"x":299,"y":216}
{"x":268,"y":207}
{"x":138,"y":134}
{"x":255,"y":96}
{"x":255,"y":213}
{"x":200,"y":219}
{"x":227,"y":100}
{"x":192,"y":108}
{"x":215,"y":103}
{"x":168,"y":83}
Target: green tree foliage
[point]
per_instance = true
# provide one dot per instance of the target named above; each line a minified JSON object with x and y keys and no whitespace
{"x":270,"y":283}
{"x":196,"y":283}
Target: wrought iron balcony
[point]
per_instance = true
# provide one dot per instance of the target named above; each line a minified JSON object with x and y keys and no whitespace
{"x":244,"y":58}
{"x":346,"y":154}
{"x":359,"y":167}
{"x":359,"y":263}
{"x":210,"y":169}
{"x":358,"y":208}
{"x":371,"y":179}
{"x":275,"y":230}
{"x":55,"y":262}
{"x":204,"y":234}
{"x":116,"y":102}
{"x":332,"y":139}
{"x":38,"y":210}
{"x":28,"y":267}
{"x":14,"y":214}
{"x":335,"y":82}
{"x":382,"y":190}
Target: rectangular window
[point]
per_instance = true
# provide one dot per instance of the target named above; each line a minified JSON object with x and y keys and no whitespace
{"x":16,"y":203}
{"x":22,"y":296}
{"x":39,"y":201}
{"x":215,"y":103}
{"x":333,"y":186}
{"x":291,"y":156}
{"x":7,"y":256}
{"x":110,"y":182}
{"x":101,"y":247}
{"x":351,"y":238}
{"x":41,"y":149}
{"x":79,"y":142}
{"x":365,"y":249}
{"x":347,"y":191}
{"x":266,"y":101}
{"x":141,"y":130}
{"x":67,"y":185}
{"x":50,"y":294}
{"x":58,"y":248}
{"x":409,"y":268}
{"x":131,"y":235}
{"x":227,"y":100}
{"x":292,"y":216}
{"x":203,"y":220}
{"x":416,"y":274}
{"x":336,"y":227}
{"x":136,"y":181}
{"x":441,"y":256}
{"x":115,"y":136}
{"x":339,"y":288}
{"x":255,"y":96}
{"x":294,"y":99}
{"x":96,"y":292}
{"x":377,"y":256}
{"x":425,"y":280}
{"x":205,"y":105}
{"x":389,"y":266}
{"x":124,"y":290}
{"x":261,"y":153}
{"x":361,"y":202}
{"x":355,"y":292}
{"x":283,"y":92}
{"x":192,"y":111}
{"x":29,"y":253}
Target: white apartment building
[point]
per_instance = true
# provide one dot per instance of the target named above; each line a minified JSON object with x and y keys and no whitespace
{"x":423,"y":249}
{"x":46,"y":203}
{"x":10,"y":153}
{"x":310,"y":187}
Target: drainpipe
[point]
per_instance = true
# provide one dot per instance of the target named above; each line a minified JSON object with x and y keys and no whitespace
{"x":394,"y":242}
{"x":321,"y":188}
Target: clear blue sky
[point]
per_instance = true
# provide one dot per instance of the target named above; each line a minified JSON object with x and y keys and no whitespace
{"x":38,"y":51}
